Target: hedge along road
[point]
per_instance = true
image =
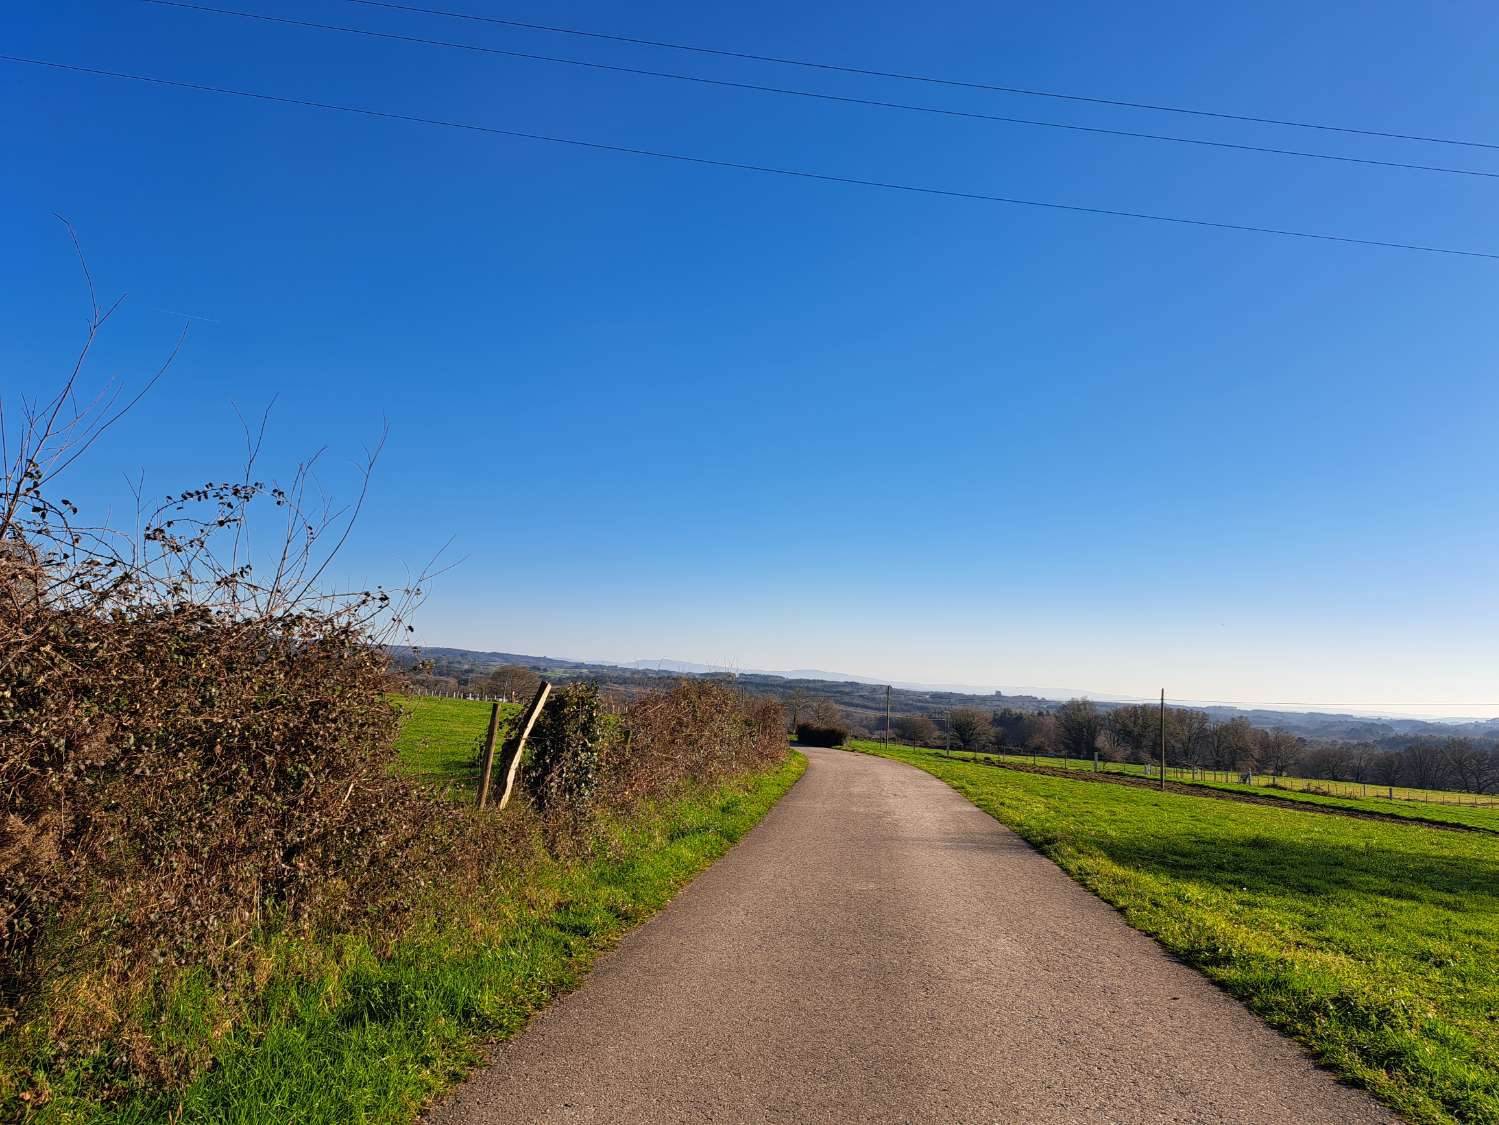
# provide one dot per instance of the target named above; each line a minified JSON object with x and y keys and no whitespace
{"x":878,"y":949}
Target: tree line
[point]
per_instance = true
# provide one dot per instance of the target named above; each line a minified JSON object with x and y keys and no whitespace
{"x":1080,"y":728}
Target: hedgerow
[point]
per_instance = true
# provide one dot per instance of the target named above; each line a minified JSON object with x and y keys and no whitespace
{"x":196,"y":752}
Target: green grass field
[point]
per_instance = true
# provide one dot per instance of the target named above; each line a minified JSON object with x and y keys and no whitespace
{"x":1374,"y":944}
{"x":440,"y":739}
{"x":1412,"y":804}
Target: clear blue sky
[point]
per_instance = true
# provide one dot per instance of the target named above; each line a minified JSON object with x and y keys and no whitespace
{"x":676,"y":411}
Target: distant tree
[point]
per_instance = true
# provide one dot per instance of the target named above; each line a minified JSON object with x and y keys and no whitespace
{"x":970,"y":727}
{"x":1078,"y":724}
{"x":1332,"y":761}
{"x":1043,"y":734}
{"x":1107,"y":746}
{"x":1137,"y":730}
{"x":1187,"y":736}
{"x":1385,"y":768}
{"x":826,"y":713}
{"x":1361,"y":759}
{"x":1472,"y":765}
{"x":1276,"y":751}
{"x":438,"y":685}
{"x":510,"y":682}
{"x":917,"y":730}
{"x":798,"y":706}
{"x":1232,"y":744}
{"x":1010,"y":727}
{"x":1423,"y":765}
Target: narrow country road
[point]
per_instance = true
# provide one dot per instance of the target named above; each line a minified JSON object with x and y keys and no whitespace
{"x":879,"y":950}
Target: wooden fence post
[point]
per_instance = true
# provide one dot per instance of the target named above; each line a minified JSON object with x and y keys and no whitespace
{"x":523,"y":732}
{"x":486,"y":760}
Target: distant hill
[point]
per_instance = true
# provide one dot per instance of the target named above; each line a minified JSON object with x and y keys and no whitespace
{"x":863,"y":698}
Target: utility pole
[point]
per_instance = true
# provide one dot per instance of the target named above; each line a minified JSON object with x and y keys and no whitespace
{"x":887,"y":714}
{"x":1163,"y":740}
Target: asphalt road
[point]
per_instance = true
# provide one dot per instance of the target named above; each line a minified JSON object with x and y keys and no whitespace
{"x":879,"y":950}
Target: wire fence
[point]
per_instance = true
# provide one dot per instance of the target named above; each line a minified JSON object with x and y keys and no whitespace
{"x":475,"y":696}
{"x":1248,"y":779}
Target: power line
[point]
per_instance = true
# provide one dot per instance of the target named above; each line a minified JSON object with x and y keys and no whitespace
{"x":927,"y":78}
{"x":817,"y":95}
{"x":763,"y":169}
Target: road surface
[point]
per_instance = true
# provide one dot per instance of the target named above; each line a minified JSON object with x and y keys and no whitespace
{"x":879,"y":950}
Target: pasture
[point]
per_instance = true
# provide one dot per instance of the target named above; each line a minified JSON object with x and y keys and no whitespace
{"x":1375,"y":944}
{"x":1438,"y":806}
{"x":440,"y":739}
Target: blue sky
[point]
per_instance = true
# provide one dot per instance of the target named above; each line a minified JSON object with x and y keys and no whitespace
{"x":675,"y":411}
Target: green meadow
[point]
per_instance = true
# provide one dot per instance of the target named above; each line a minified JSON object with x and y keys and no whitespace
{"x":1374,"y":944}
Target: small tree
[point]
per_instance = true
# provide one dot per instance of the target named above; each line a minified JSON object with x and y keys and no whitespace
{"x":1137,"y":731}
{"x":1276,"y":751}
{"x":970,"y":728}
{"x":1078,"y":724}
{"x":1043,"y":734}
{"x":1010,"y":727}
{"x":1107,"y":746}
{"x":917,"y":730}
{"x":798,"y":706}
{"x":826,"y":713}
{"x":511,"y":681}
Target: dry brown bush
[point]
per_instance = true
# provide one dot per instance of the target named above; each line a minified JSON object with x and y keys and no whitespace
{"x":698,"y":731}
{"x":194,"y":740}
{"x":196,"y":746}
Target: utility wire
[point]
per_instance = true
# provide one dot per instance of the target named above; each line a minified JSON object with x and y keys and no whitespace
{"x":872,"y":102}
{"x":763,"y":169}
{"x":927,"y":78}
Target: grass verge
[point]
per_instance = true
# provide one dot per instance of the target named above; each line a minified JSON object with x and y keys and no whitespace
{"x":1374,"y":944}
{"x":342,"y":1031}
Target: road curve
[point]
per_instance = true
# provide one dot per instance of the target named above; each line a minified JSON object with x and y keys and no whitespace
{"x":879,"y":950}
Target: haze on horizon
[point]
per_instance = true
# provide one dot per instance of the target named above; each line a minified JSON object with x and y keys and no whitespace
{"x":665,"y":410}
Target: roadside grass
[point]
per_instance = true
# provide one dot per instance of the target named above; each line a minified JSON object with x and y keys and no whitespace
{"x":440,"y":739}
{"x":340,"y":1029}
{"x":1374,"y":944}
{"x":1412,"y":804}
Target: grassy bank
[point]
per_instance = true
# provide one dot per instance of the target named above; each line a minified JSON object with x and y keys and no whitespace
{"x":1376,"y":945}
{"x":344,"y":1031}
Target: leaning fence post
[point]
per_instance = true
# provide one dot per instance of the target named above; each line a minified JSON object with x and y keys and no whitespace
{"x":486,"y":761}
{"x":523,"y":732}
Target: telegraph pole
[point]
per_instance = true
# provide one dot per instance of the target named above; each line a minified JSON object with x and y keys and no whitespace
{"x":1163,"y":740}
{"x":887,"y":714}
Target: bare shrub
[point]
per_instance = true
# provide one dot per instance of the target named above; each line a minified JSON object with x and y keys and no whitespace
{"x":196,"y":744}
{"x":917,"y":730}
{"x":971,"y":727}
{"x":194,"y":740}
{"x":700,"y":730}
